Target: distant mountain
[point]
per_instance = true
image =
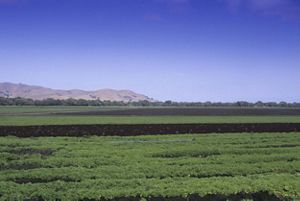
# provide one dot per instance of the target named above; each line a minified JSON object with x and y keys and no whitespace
{"x":11,"y":90}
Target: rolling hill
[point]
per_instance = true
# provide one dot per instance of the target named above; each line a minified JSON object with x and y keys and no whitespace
{"x":11,"y":90}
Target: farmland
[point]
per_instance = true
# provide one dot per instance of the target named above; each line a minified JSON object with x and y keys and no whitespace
{"x":147,"y":111}
{"x":40,"y":110}
{"x":182,"y":167}
{"x":94,"y":119}
{"x":129,"y":161}
{"x":66,"y":115}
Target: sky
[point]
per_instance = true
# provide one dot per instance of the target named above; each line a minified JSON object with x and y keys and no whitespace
{"x":180,"y":50}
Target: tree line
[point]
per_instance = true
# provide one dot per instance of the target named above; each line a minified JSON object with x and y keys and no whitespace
{"x":81,"y":102}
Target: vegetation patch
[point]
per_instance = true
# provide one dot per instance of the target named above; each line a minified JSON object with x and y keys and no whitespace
{"x":187,"y":153}
{"x":25,"y":180}
{"x":257,"y":196}
{"x":20,"y":165}
{"x":242,"y":196}
{"x":31,"y":151}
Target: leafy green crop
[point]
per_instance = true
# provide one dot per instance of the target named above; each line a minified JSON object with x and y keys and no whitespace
{"x":66,"y":168}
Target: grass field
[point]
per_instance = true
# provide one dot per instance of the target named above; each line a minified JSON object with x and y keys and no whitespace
{"x":67,"y":120}
{"x":169,"y":166}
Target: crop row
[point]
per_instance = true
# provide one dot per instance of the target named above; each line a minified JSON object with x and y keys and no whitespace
{"x":282,"y":185}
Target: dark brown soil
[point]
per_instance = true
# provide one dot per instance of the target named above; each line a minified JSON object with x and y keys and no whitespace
{"x":191,"y":111}
{"x":144,"y":129}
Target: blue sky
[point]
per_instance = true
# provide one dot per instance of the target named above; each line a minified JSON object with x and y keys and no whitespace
{"x":182,"y":50}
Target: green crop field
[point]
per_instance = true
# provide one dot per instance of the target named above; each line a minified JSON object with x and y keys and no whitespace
{"x":143,"y":167}
{"x":67,"y":120}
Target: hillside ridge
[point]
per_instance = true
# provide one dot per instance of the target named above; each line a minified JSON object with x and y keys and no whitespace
{"x":12,"y":90}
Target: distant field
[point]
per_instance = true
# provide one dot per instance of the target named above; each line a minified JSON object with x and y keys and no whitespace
{"x":18,"y":110}
{"x":190,"y":111}
{"x":67,"y":120}
{"x":181,"y":167}
{"x":146,"y":111}
{"x":66,"y":115}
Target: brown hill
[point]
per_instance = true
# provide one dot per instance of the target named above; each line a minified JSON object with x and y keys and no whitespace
{"x":11,"y":90}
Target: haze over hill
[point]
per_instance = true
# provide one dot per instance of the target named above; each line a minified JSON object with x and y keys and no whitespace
{"x":11,"y":90}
